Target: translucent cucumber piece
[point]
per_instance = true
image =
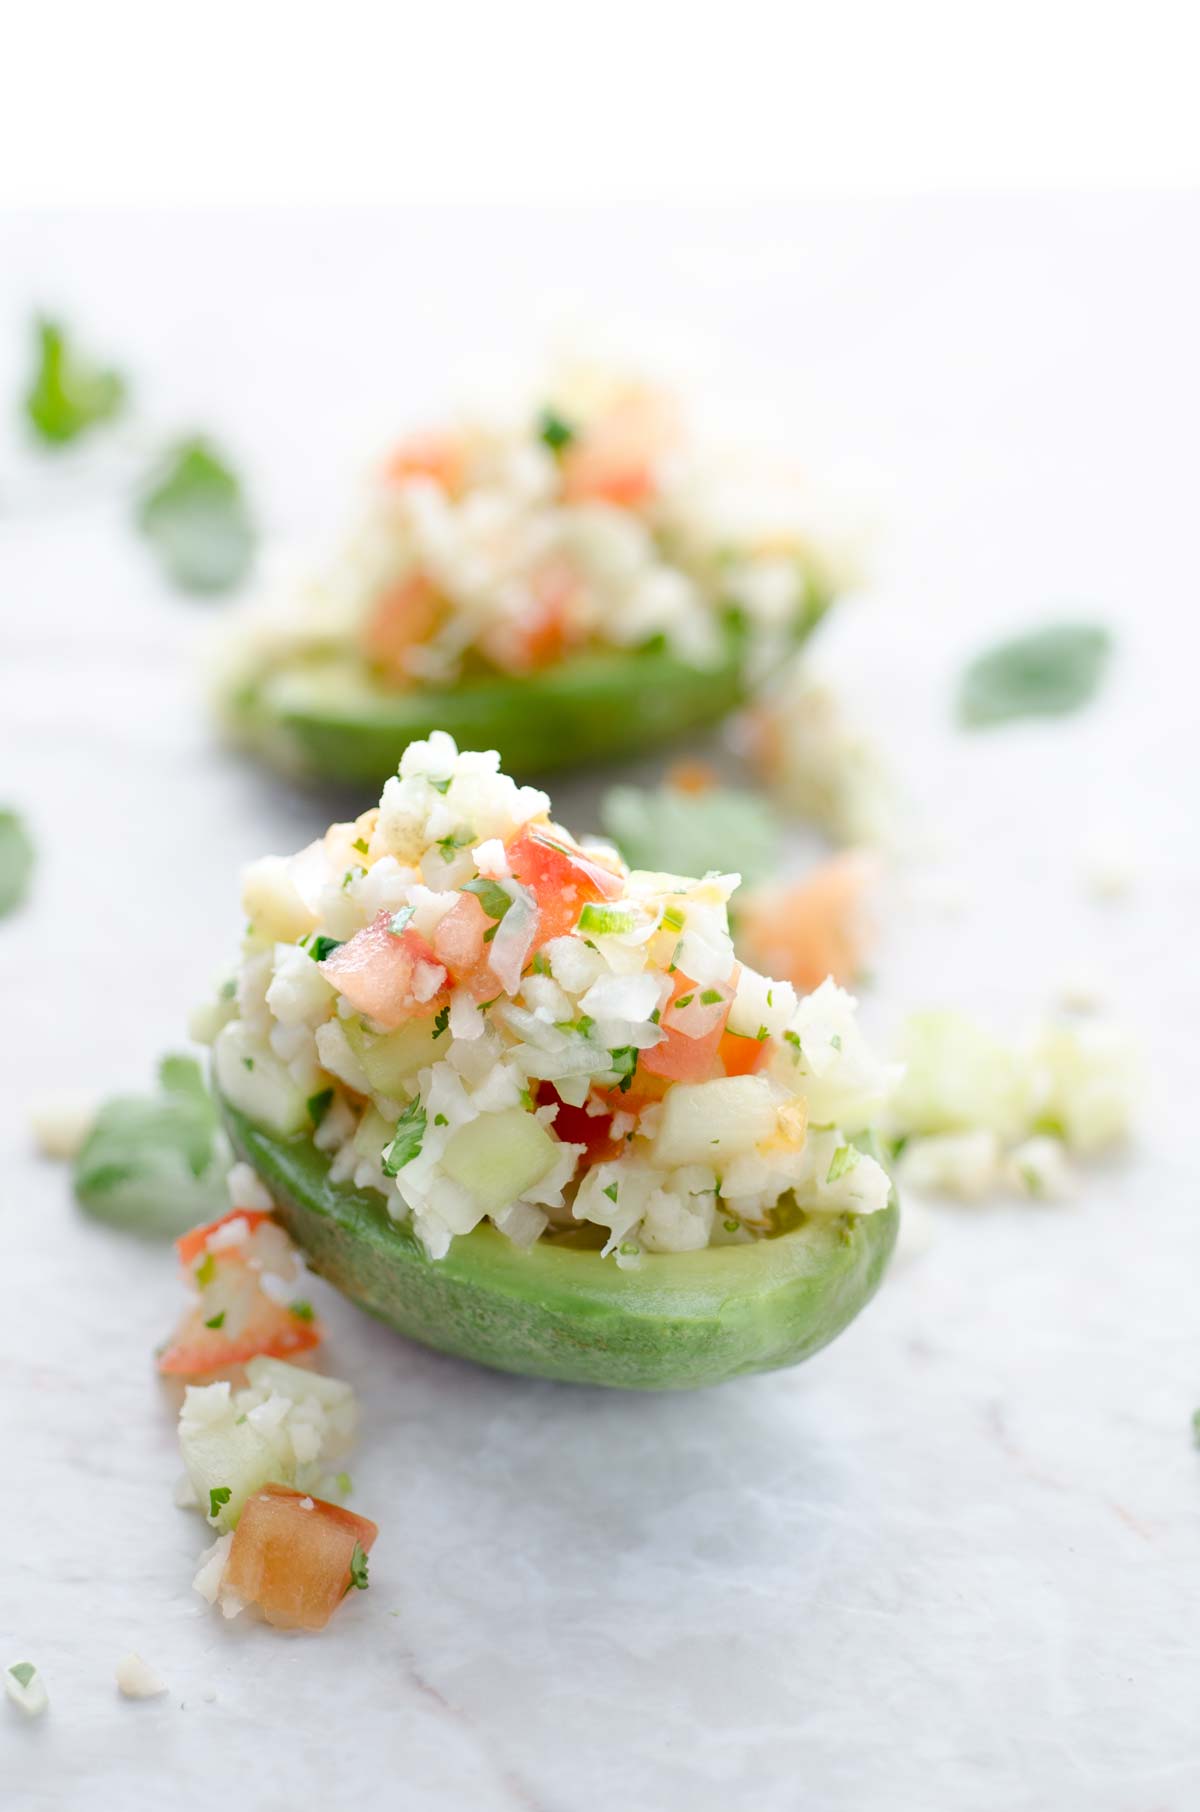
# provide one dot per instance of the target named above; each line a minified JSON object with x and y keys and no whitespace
{"x":392,"y":1059}
{"x":250,"y":1075}
{"x":498,"y":1157}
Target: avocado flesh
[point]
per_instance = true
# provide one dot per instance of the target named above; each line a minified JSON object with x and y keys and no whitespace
{"x":325,"y":717}
{"x":560,"y":1311}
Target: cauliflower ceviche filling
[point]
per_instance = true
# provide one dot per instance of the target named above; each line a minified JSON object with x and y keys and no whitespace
{"x":508,"y":545}
{"x":482,"y":1019}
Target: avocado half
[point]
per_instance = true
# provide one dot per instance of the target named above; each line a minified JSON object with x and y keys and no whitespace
{"x":324,"y":717}
{"x":679,"y":1321}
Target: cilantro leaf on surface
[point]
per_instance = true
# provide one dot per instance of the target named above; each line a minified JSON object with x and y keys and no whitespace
{"x":407,"y":1141}
{"x":69,"y":394}
{"x":358,"y":1569}
{"x":16,"y":860}
{"x":1044,"y":674}
{"x":693,"y":833}
{"x":195,"y":517}
{"x":155,"y":1164}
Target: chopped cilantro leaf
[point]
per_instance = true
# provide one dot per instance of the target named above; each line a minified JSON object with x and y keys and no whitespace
{"x":318,"y":1105}
{"x":440,"y":786}
{"x":69,"y":394}
{"x":624,"y":1062}
{"x":711,"y":997}
{"x":247,"y":1063}
{"x":400,"y":920}
{"x":360,"y":844}
{"x":321,"y":947}
{"x":762,"y":1034}
{"x":792,"y":1038}
{"x":611,"y":1192}
{"x":685,"y":1000}
{"x":836,"y":1041}
{"x":303,"y":1311}
{"x":541,"y":963}
{"x":22,"y":1672}
{"x":344,"y":1483}
{"x":491,"y":896}
{"x":454,"y":841}
{"x":553,"y":431}
{"x":440,"y":1120}
{"x":844,"y":1159}
{"x":358,"y":1569}
{"x":409,"y":1137}
{"x":441,"y":1020}
{"x":220,"y":1494}
{"x":206,"y":1270}
{"x":216,"y":1321}
{"x":656,"y":1016}
{"x":194,"y":516}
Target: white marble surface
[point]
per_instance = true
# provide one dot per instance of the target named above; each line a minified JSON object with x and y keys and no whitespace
{"x":954,"y":1563}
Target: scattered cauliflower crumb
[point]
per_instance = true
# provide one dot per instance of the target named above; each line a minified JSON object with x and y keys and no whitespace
{"x":974,"y":1114}
{"x":25,"y":1687}
{"x":818,"y":765}
{"x":61,"y":1123}
{"x":137,"y":1680}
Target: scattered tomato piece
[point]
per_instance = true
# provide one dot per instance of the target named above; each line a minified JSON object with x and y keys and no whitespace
{"x":190,"y":1245}
{"x":233,"y":1318}
{"x":296,"y":1557}
{"x":392,"y":977}
{"x":812,"y":929}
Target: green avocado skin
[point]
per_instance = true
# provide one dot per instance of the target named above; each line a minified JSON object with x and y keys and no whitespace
{"x":595,"y":706}
{"x":678,"y":1322}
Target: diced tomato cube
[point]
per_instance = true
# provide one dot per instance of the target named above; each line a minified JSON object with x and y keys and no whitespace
{"x":436,"y":456}
{"x":575,"y":1126}
{"x":403,"y":616}
{"x":390,"y":977}
{"x":743,"y":1056}
{"x":291,"y":1555}
{"x":693,"y":1028}
{"x":253,"y":1323}
{"x":562,"y":879}
{"x":190,"y":1245}
{"x":458,"y":943}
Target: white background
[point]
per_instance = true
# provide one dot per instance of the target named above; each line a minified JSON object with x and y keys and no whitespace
{"x":952,"y":1563}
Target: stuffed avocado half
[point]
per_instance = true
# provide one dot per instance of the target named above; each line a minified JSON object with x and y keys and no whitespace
{"x":572,"y":585}
{"x":525,"y":1105}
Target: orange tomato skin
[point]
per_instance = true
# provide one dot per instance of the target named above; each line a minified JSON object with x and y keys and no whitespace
{"x":563,"y":881}
{"x":376,"y":972}
{"x":598,"y":475}
{"x":403,"y":616}
{"x":291,"y":1561}
{"x":743,"y":1056}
